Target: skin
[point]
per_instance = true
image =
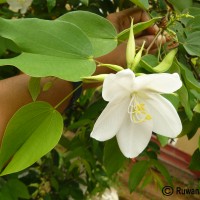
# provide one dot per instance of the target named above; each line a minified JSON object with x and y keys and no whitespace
{"x":14,"y":91}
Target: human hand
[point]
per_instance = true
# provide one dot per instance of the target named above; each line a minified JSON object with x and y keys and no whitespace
{"x":122,"y":20}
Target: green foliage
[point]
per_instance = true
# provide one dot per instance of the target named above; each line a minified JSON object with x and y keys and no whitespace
{"x":18,"y":188}
{"x":100,"y":32}
{"x":137,"y":173}
{"x":66,"y":45}
{"x":194,"y":164}
{"x":149,"y":62}
{"x":34,"y":87}
{"x":113,"y":158}
{"x":144,"y":4}
{"x":181,"y":5}
{"x":39,"y":128}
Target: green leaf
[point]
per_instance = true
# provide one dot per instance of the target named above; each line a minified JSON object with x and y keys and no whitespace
{"x":49,"y":48}
{"x":8,"y":44}
{"x":47,"y":86}
{"x":31,"y":133}
{"x":148,"y":62}
{"x":122,"y":36}
{"x":184,"y":100}
{"x":19,"y":189}
{"x":51,"y":4}
{"x":100,"y":31}
{"x":194,"y":11}
{"x":113,"y":159}
{"x":137,"y":173}
{"x":85,"y":2}
{"x":147,"y":180}
{"x":163,"y":140}
{"x":193,"y":24}
{"x":144,"y":4}
{"x":34,"y":87}
{"x":181,"y":5}
{"x":3,"y":1}
{"x":189,"y":127}
{"x":192,"y":43}
{"x":194,"y":163}
{"x":197,"y":108}
{"x":173,"y":98}
{"x":163,"y":170}
{"x":189,"y":78}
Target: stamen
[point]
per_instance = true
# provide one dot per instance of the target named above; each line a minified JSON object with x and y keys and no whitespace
{"x":137,"y":111}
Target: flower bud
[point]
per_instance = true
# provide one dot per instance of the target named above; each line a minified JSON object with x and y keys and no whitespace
{"x":137,"y":58}
{"x":94,"y":79}
{"x":113,"y":67}
{"x":130,"y":50}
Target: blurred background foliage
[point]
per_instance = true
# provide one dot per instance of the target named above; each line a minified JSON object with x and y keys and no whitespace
{"x":80,"y":167}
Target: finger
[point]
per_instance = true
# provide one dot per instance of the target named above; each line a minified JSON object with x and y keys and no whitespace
{"x":122,"y":20}
{"x":152,"y":30}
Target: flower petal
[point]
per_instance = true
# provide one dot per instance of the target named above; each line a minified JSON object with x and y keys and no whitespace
{"x":110,"y":120}
{"x":162,"y":83}
{"x":118,"y":85}
{"x":134,"y":137}
{"x":165,"y":117}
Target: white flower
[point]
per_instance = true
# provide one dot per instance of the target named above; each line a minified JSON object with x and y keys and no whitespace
{"x":22,"y":5}
{"x":136,"y":108}
{"x":109,"y":194}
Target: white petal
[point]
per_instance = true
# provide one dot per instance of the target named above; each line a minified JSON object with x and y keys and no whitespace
{"x":134,"y":137}
{"x":162,"y":83}
{"x":110,"y":120}
{"x":165,"y":117}
{"x":118,"y":85}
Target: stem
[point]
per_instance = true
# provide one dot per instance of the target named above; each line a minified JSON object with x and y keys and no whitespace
{"x":65,"y":98}
{"x":149,"y":47}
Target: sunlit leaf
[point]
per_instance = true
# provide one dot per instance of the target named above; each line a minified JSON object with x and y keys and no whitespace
{"x":31,"y":133}
{"x":197,"y":108}
{"x":100,"y":31}
{"x":34,"y":87}
{"x":50,"y":48}
{"x":163,"y":140}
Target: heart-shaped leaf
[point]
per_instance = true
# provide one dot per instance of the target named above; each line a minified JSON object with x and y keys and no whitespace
{"x":192,"y":44}
{"x":100,"y":31}
{"x":49,"y":48}
{"x":31,"y":133}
